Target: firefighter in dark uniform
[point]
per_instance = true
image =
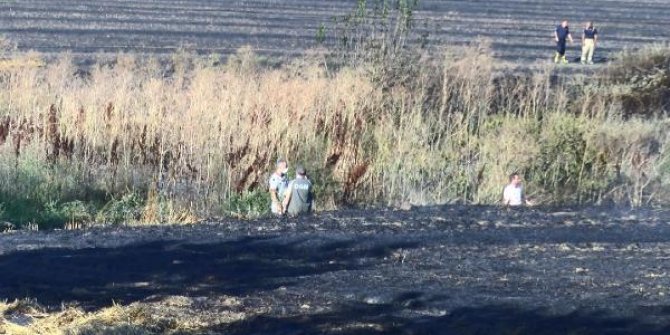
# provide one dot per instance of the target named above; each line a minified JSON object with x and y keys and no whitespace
{"x":562,"y":35}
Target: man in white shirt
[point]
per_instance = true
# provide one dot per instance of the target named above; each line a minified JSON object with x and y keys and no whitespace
{"x":277,"y":186}
{"x":513,"y":194}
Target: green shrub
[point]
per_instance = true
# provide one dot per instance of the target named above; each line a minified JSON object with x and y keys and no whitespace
{"x":561,"y":159}
{"x":248,"y":204}
{"x":72,"y":212}
{"x":126,"y":209}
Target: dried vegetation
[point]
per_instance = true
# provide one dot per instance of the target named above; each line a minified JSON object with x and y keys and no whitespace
{"x":137,"y":140}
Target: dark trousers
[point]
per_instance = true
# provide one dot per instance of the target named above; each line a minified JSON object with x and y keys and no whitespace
{"x":560,"y":47}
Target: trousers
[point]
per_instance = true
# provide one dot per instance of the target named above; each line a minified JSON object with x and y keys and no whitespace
{"x":587,"y":50}
{"x":560,"y":47}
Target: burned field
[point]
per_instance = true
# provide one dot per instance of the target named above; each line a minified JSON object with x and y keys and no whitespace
{"x":520,"y":30}
{"x":452,"y":269}
{"x":432,"y":270}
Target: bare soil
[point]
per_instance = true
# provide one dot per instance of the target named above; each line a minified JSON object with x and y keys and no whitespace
{"x":447,"y":270}
{"x":520,"y":30}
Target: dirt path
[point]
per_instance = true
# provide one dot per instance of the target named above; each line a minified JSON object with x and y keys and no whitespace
{"x":469,"y":270}
{"x":520,"y":30}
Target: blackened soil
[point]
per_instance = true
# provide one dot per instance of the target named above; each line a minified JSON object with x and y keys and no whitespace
{"x":519,"y":30}
{"x":436,"y":270}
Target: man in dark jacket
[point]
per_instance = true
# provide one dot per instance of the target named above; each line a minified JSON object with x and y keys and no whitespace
{"x":298,"y":197}
{"x":561,"y":35}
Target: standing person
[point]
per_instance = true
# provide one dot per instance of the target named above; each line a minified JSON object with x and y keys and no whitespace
{"x":561,"y":35}
{"x":298,"y":199}
{"x":589,"y":40}
{"x":278,"y":183}
{"x":513,"y":194}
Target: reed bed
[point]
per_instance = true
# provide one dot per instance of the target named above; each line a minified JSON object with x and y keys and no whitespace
{"x":139,"y":140}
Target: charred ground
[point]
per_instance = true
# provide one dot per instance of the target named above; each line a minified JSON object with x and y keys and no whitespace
{"x":520,"y":30}
{"x":451,"y":269}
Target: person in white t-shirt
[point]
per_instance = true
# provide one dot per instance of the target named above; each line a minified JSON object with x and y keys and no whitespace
{"x":277,"y":185}
{"x":513,"y":194}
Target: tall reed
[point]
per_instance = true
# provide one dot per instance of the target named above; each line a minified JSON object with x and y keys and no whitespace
{"x":188,"y":138}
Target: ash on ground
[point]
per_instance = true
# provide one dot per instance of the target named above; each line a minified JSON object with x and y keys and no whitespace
{"x":433,"y":270}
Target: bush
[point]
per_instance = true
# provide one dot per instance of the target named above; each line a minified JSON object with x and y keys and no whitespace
{"x":248,"y":204}
{"x":641,"y":79}
{"x":126,"y":209}
{"x":74,"y":213}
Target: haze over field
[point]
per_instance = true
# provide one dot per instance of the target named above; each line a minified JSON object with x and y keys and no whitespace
{"x":519,"y":29}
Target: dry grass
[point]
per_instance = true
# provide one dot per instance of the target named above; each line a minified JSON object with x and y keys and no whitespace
{"x":197,"y":134}
{"x":25,"y":317}
{"x":171,"y":315}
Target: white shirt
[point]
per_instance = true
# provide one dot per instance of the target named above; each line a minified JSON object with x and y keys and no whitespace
{"x":513,"y":195}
